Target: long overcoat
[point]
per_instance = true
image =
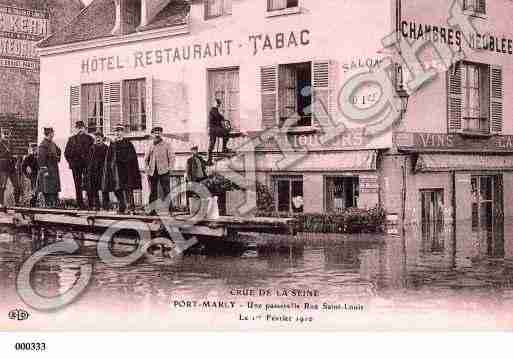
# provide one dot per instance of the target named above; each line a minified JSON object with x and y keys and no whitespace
{"x":48,"y":158}
{"x":96,"y":166}
{"x":121,"y":167}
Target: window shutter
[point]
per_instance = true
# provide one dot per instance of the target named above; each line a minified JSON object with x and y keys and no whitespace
{"x":496,"y":98}
{"x":269,"y":90}
{"x":74,"y":102}
{"x":112,"y":105}
{"x":149,"y":104}
{"x":324,"y":80}
{"x":454,"y":98}
{"x":227,"y":7}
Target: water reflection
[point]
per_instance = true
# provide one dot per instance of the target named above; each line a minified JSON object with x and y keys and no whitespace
{"x":453,"y":261}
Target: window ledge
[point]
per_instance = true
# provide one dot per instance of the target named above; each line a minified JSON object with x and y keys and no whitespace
{"x":303,"y":130}
{"x":475,"y":14}
{"x":470,"y":133}
{"x":283,"y":12}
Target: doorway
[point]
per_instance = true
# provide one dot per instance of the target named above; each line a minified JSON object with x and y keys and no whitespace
{"x":488,"y":213}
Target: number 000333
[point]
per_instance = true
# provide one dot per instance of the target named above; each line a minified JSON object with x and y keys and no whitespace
{"x":35,"y":346}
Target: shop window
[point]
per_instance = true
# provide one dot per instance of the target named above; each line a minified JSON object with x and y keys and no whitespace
{"x":475,"y":6}
{"x":224,"y":85}
{"x":180,"y":200}
{"x":294,"y":96}
{"x":216,"y":8}
{"x":135,"y":104}
{"x":275,"y":5}
{"x":92,"y":102}
{"x":341,"y":193}
{"x":288,"y":192}
{"x":475,"y":100}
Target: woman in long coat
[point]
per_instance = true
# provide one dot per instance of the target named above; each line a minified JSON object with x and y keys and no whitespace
{"x":48,"y":178}
{"x":121,"y":174}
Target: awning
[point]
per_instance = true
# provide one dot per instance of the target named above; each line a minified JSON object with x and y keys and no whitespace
{"x":463,"y":162}
{"x":357,"y":160}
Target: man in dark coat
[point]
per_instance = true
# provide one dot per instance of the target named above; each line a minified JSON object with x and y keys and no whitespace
{"x":196,"y":171}
{"x":122,"y":175}
{"x":7,"y":169}
{"x":76,"y":153}
{"x":94,"y":176}
{"x":30,"y":167}
{"x":48,"y":178}
{"x":196,"y":166}
{"x":217,"y":129}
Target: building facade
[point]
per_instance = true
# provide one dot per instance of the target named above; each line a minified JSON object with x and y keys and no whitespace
{"x":276,"y":62}
{"x":22,"y":24}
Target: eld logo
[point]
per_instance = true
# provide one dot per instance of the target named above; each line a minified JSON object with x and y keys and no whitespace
{"x":18,"y":314}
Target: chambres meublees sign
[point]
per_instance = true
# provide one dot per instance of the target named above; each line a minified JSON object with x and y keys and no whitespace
{"x":256,"y":44}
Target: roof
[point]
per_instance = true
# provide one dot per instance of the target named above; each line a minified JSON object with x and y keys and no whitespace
{"x":98,"y":19}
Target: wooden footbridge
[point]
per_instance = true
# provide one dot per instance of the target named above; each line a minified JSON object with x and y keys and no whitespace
{"x":223,"y":227}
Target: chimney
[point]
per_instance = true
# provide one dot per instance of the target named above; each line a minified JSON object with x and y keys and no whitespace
{"x":150,"y":8}
{"x":128,"y":16}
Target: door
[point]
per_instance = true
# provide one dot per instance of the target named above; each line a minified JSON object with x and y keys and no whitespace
{"x":432,"y":212}
{"x":487,"y":213}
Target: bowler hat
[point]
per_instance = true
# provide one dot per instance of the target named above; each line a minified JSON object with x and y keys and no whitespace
{"x":79,"y":124}
{"x":194,"y":148}
{"x":156,"y":129}
{"x":47,"y":130}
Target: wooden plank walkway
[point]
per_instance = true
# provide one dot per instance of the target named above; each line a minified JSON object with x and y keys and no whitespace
{"x":223,"y":226}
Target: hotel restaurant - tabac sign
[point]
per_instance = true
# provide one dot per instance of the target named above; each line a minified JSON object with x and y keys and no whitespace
{"x":20,"y":30}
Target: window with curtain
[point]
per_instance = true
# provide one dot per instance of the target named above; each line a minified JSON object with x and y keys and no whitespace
{"x":478,"y":6}
{"x":224,"y":85}
{"x":341,"y":193}
{"x":135,"y":97}
{"x":93,"y":101}
{"x":281,"y":4}
{"x":475,"y":116}
{"x":215,"y":8}
{"x":288,"y":193}
{"x":293,"y":80}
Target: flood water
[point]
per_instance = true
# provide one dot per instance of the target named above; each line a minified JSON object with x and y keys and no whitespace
{"x":454,"y":279}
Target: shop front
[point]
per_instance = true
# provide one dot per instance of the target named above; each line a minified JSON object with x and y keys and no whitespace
{"x":456,"y":179}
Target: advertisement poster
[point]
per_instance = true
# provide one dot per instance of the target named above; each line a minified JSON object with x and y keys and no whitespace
{"x":257,"y":166}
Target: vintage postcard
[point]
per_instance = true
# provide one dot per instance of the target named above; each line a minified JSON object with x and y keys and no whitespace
{"x":256,"y":165}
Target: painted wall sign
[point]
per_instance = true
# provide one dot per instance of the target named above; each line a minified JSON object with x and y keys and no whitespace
{"x":368,"y":184}
{"x":452,"y":37}
{"x":20,"y":29}
{"x":257,"y":43}
{"x":452,"y":142}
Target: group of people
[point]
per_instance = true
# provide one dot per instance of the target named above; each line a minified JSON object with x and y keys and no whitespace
{"x":101,"y":168}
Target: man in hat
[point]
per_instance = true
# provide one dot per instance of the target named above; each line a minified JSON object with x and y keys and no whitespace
{"x":48,"y":178}
{"x":196,"y":171}
{"x":121,"y":174}
{"x":29,"y":168}
{"x":95,"y":169}
{"x":217,"y":129}
{"x":159,"y":161}
{"x":196,"y":166}
{"x":7,"y":168}
{"x":76,"y":153}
